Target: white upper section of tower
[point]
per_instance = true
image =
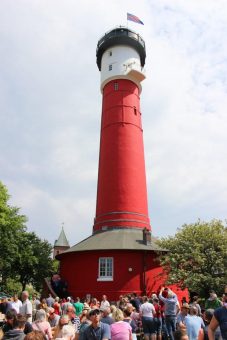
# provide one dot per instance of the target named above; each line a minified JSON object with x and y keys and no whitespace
{"x":121,"y":62}
{"x":121,"y":54}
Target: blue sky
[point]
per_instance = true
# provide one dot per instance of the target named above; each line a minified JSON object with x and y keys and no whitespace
{"x":50,"y":106}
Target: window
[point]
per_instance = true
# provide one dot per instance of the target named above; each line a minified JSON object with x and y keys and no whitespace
{"x":115,"y":86}
{"x":110,"y":67}
{"x":135,"y":112}
{"x":110,"y":53}
{"x":105,"y":269}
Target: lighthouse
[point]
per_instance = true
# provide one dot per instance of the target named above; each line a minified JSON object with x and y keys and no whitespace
{"x":122,"y":192}
{"x":121,"y":255}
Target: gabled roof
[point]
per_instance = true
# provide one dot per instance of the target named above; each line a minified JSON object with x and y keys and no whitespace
{"x":62,"y":240}
{"x":121,"y":239}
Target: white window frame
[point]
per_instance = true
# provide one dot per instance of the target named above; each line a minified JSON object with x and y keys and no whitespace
{"x":110,"y":67}
{"x":105,"y":277}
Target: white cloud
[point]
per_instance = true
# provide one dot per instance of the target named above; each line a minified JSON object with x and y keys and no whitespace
{"x":50,"y":107}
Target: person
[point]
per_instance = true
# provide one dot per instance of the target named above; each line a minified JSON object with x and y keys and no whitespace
{"x":17,"y":332}
{"x":26,"y":308}
{"x":57,"y":306}
{"x":73,"y":319}
{"x":94,"y":303}
{"x":97,"y":329}
{"x":122,"y":302}
{"x":35,"y":335}
{"x":193,"y":323}
{"x":68,"y":332}
{"x":120,"y":330}
{"x":208,"y":314}
{"x":135,"y":301}
{"x":43,"y":305}
{"x":35,"y":304}
{"x":104,"y":303}
{"x":171,"y":307}
{"x":84,"y":323}
{"x":16,"y":303}
{"x":11,"y":317}
{"x":53,"y":318}
{"x":182,"y":315}
{"x":66,"y":304}
{"x":147,"y":312}
{"x":157,"y":318}
{"x":132,"y":323}
{"x":219,"y":319}
{"x":212,"y":302}
{"x":180,"y":334}
{"x":195,"y":302}
{"x":106,"y":318}
{"x":50,"y":300}
{"x":40,"y":324}
{"x":57,"y":331}
{"x":5,"y":305}
{"x":79,"y":306}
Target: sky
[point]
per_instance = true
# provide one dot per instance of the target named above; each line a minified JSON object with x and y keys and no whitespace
{"x":50,"y":110}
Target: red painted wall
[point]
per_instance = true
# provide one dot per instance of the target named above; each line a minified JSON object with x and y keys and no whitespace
{"x":80,"y":270}
{"x":122,"y":192}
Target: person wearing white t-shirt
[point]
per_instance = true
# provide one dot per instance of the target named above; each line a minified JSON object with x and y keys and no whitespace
{"x":26,"y":308}
{"x":147,"y":312}
{"x":104,"y":303}
{"x":16,"y":304}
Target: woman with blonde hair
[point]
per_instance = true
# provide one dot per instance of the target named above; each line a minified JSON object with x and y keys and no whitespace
{"x":120,"y":330}
{"x":57,"y":331}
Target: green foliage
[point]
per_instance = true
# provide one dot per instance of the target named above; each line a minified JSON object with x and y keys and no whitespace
{"x":197,"y":256}
{"x":24,"y":257}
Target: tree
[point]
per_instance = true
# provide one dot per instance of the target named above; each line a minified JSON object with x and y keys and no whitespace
{"x":11,"y":226}
{"x":24,"y":257}
{"x":197,"y":257}
{"x":34,"y":260}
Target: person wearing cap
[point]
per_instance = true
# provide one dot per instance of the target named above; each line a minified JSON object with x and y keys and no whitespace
{"x":219,"y":319}
{"x":182,"y":315}
{"x":212,"y":302}
{"x":52,"y":317}
{"x":40,"y":323}
{"x":97,"y":330}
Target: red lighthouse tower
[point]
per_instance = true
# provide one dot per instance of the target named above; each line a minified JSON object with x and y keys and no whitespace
{"x":122,"y":193}
{"x":120,"y":256}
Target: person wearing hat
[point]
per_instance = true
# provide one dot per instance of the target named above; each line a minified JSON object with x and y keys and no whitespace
{"x":182,"y":315}
{"x":212,"y":302}
{"x":97,"y":330}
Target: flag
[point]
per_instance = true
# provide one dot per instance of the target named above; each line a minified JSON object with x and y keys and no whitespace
{"x":132,"y":17}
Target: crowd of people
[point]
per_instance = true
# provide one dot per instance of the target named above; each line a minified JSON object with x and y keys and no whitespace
{"x":160,"y":316}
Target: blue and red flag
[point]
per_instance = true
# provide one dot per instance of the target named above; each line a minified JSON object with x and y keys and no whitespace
{"x":133,"y":18}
